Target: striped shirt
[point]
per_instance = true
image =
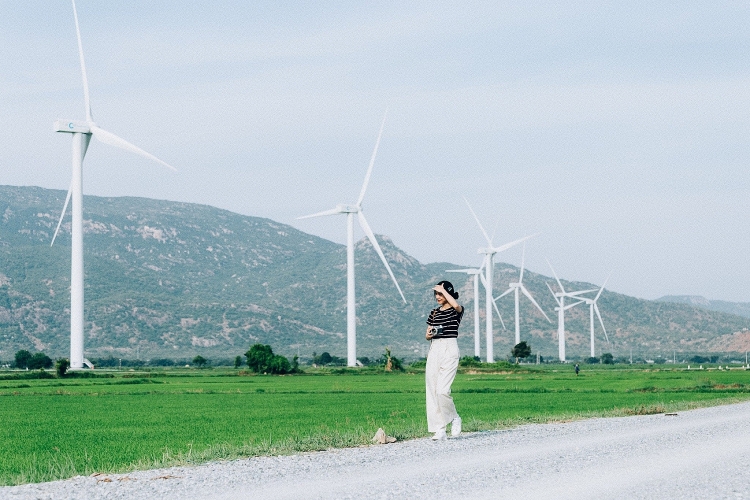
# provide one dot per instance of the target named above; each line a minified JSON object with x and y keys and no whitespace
{"x":449,"y":319}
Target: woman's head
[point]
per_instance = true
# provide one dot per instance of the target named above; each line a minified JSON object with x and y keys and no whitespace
{"x":448,"y":287}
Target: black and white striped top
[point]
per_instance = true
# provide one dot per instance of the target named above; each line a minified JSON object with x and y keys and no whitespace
{"x":449,"y":319}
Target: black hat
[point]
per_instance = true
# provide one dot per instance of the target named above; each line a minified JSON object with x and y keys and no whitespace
{"x":448,"y":286}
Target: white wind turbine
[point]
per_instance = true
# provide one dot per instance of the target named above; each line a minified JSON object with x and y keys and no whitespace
{"x":561,"y":308}
{"x":82,"y":132}
{"x":349,"y":211}
{"x":477,"y":273}
{"x":516,"y":287}
{"x":593,"y":308}
{"x":489,"y":253}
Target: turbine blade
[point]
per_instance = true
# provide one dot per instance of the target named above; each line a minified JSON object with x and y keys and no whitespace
{"x":484,"y":262}
{"x":528,"y":296}
{"x":466,"y":271}
{"x":65,"y":208}
{"x":498,"y":315}
{"x":570,"y":306}
{"x":523,"y":259}
{"x":598,"y":315}
{"x":506,"y":292}
{"x":513,"y":243}
{"x":602,"y":288}
{"x":562,"y":289}
{"x":489,"y":241}
{"x":581,"y":292}
{"x":553,"y":294}
{"x":113,"y":140}
{"x":372,"y":161}
{"x":371,"y":236}
{"x":332,"y":211}
{"x":83,"y":66}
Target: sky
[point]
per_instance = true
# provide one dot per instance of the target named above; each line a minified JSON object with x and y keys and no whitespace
{"x":618,"y":131}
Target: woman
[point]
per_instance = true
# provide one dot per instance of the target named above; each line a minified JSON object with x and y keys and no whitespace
{"x":442,"y":361}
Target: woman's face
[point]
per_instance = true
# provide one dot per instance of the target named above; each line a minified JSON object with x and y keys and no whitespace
{"x":440,"y":299}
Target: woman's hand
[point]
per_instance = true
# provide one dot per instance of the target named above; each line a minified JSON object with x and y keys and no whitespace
{"x":428,"y":335}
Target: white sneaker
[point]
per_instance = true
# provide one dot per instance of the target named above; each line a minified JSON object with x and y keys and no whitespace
{"x":456,"y":426}
{"x":440,"y":435}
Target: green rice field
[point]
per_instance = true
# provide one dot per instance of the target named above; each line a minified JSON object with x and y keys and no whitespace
{"x":59,"y":428}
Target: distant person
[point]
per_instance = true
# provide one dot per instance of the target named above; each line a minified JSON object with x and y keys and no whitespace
{"x":577,"y":369}
{"x":442,"y":361}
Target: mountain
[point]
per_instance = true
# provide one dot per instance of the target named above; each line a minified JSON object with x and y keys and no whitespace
{"x":738,"y":308}
{"x":167,"y":279}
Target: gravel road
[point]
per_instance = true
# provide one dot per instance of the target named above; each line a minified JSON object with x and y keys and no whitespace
{"x":696,"y":454}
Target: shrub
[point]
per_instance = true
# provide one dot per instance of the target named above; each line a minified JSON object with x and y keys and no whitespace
{"x":40,"y":360}
{"x":61,"y":367}
{"x":469,"y":361}
{"x":261,"y":359}
{"x":592,"y":361}
{"x":238,"y":361}
{"x":608,"y":359}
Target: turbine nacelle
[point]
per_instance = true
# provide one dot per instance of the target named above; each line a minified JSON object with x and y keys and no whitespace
{"x":73,"y":127}
{"x":347,"y":209}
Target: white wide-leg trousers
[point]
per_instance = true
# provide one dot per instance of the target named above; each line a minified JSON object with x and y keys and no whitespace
{"x":442,"y":363}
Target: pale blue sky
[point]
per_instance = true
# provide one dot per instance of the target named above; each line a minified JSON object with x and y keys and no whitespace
{"x":619,"y":130}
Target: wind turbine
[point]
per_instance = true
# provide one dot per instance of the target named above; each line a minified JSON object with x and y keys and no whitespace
{"x":81,"y":132}
{"x":489,"y":253}
{"x":561,"y":308}
{"x":515,"y":288}
{"x":593,"y":308}
{"x":477,"y":273}
{"x":349,"y":211}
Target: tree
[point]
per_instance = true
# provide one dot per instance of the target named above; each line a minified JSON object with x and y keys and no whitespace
{"x":608,"y":359}
{"x":238,"y":361}
{"x":261,"y":359}
{"x":40,"y":360}
{"x":61,"y":367}
{"x":199,"y":361}
{"x":23,"y":357}
{"x":390,"y":362}
{"x":521,"y":350}
{"x":592,"y":361}
{"x":325,"y":358}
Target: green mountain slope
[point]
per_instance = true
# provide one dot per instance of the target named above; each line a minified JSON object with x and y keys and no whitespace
{"x":738,"y":308}
{"x":167,"y":279}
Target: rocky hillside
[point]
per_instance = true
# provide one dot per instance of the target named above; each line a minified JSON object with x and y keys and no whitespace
{"x":167,"y":279}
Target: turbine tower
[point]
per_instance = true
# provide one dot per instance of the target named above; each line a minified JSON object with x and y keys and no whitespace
{"x":349,"y":211}
{"x":489,"y":253}
{"x":515,"y":288}
{"x":81,"y":132}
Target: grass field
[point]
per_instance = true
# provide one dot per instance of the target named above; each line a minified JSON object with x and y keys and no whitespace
{"x":59,"y":428}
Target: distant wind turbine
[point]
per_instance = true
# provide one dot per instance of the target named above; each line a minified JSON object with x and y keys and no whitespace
{"x":561,"y":308}
{"x":515,"y":288}
{"x":82,"y":132}
{"x":477,"y":273}
{"x":489,"y":253}
{"x":349,"y":211}
{"x":593,"y":308}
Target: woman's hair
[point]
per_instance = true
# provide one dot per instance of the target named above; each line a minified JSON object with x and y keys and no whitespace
{"x":448,"y":287}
